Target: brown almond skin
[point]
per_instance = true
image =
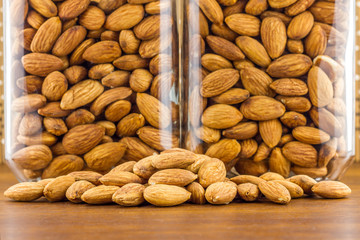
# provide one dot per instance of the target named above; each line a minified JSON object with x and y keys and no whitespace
{"x":221,"y":193}
{"x":77,"y":189}
{"x":120,"y":178}
{"x":69,"y":40}
{"x":144,"y":169}
{"x":212,"y":10}
{"x":295,"y":190}
{"x":290,"y":66}
{"x":177,"y":177}
{"x":300,"y":26}
{"x":102,"y":52}
{"x":275,"y":192}
{"x":278,"y":163}
{"x":248,"y":44}
{"x":24,"y":192}
{"x":249,"y":25}
{"x":304,"y":181}
{"x":197,"y":193}
{"x":99,"y":194}
{"x":56,"y":190}
{"x":155,"y":138}
{"x":249,"y":167}
{"x":130,"y":195}
{"x":34,"y":157}
{"x":47,"y":8}
{"x":247,"y":179}
{"x":130,"y":124}
{"x":63,"y":165}
{"x":46,"y":35}
{"x":54,"y":86}
{"x":273,"y":35}
{"x":166,"y":195}
{"x":262,"y":108}
{"x":248,"y":192}
{"x":41,"y":64}
{"x":136,"y":149}
{"x":331,"y":189}
{"x":215,"y":116}
{"x":70,"y":9}
{"x":225,"y":48}
{"x":89,"y":176}
{"x":225,"y":150}
{"x":211,"y":86}
{"x":256,"y":81}
{"x":301,"y":154}
{"x":104,"y":156}
{"x":242,"y":131}
{"x":211,"y":171}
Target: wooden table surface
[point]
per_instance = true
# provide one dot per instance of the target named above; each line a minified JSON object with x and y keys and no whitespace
{"x":301,"y":219}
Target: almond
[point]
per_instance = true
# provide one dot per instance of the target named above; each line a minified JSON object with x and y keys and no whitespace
{"x":298,"y":7}
{"x":166,"y":195}
{"x":208,"y":135}
{"x":321,"y":90}
{"x":256,"y":81}
{"x":24,"y":192}
{"x":99,"y":195}
{"x":270,"y":176}
{"x":47,"y":8}
{"x":332,"y":68}
{"x":289,"y":87}
{"x":248,"y":192}
{"x":249,"y":167}
{"x":81,"y":94}
{"x":214,"y":62}
{"x":212,"y":86}
{"x":117,"y":110}
{"x":77,"y":56}
{"x":256,"y":7}
{"x":130,"y":195}
{"x":273,"y":36}
{"x":221,"y":193}
{"x":33,"y":157}
{"x":149,"y":27}
{"x":120,"y":178}
{"x":30,"y":124}
{"x":216,"y":116}
{"x":280,"y":3}
{"x":326,"y":121}
{"x":56,"y":190}
{"x":271,"y":132}
{"x":38,"y":139}
{"x":63,"y":165}
{"x":211,"y":171}
{"x":295,"y":46}
{"x":248,"y":148}
{"x":89,"y":176}
{"x":70,"y":9}
{"x":262,"y":152}
{"x":46,"y":35}
{"x":315,"y":172}
{"x":331,"y":189}
{"x":297,"y":104}
{"x":197,"y":193}
{"x":293,"y":119}
{"x":295,"y":190}
{"x":79,"y":117}
{"x":41,"y":64}
{"x":224,"y":48}
{"x":173,"y":160}
{"x":140,"y":80}
{"x":54,"y":86}
{"x":116,"y":79}
{"x":310,"y":135}
{"x":241,"y":179}
{"x":244,"y":24}
{"x":242,"y":131}
{"x":77,"y":189}
{"x":225,"y":150}
{"x":52,"y":109}
{"x":300,"y":26}
{"x":327,"y":152}
{"x":30,"y":83}
{"x":262,"y":108}
{"x":158,"y":139}
{"x":129,"y":125}
{"x":232,"y":96}
{"x":177,"y":177}
{"x":316,"y":42}
{"x":301,"y":154}
{"x":69,"y":40}
{"x":129,"y":43}
{"x":123,"y":167}
{"x":101,"y":70}
{"x":132,"y":13}
{"x":253,"y":50}
{"x":275,"y":192}
{"x":290,"y":66}
{"x":136,"y":149}
{"x":144,"y":169}
{"x":104,"y":156}
{"x":82,"y":138}
{"x":93,"y":18}
{"x":102,"y":52}
{"x":200,"y":159}
{"x":304,"y":181}
{"x":212,"y":10}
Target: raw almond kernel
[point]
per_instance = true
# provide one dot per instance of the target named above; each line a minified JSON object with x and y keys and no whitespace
{"x":321,"y":90}
{"x":301,"y":154}
{"x":83,"y":138}
{"x":75,"y":74}
{"x":56,"y":190}
{"x":197,"y":193}
{"x":70,"y":9}
{"x":102,"y":52}
{"x":130,"y":195}
{"x":270,"y":176}
{"x":136,"y":149}
{"x":310,"y":135}
{"x":247,"y":179}
{"x":117,"y":110}
{"x":304,"y":181}
{"x":332,"y":68}
{"x":262,"y":152}
{"x":337,"y":107}
{"x":295,"y":46}
{"x":211,"y":171}
{"x":123,"y":167}
{"x":290,"y":66}
{"x":89,"y":176}
{"x":297,"y":104}
{"x":248,"y":148}
{"x":77,"y":56}
{"x":232,"y":96}
{"x":47,"y":8}
{"x":166,"y":195}
{"x":41,"y":138}
{"x":99,"y":195}
{"x":108,"y":97}
{"x":295,"y":190}
{"x":173,"y":160}
{"x":200,"y":159}
{"x":275,"y":192}
{"x":162,"y":84}
{"x":216,"y":116}
{"x":157,"y":7}
{"x":120,"y":178}
{"x":262,"y":108}
{"x":256,"y":7}
{"x":93,"y":18}
{"x":110,"y":5}
{"x":24,"y":192}
{"x":285,"y":139}
{"x":249,"y":167}
{"x":63,"y":165}
{"x":326,"y":121}
{"x":212,"y":10}
{"x":280,"y":3}
{"x":315,"y":172}
{"x":177,"y":177}
{"x":244,"y":24}
{"x":289,"y":87}
{"x":224,"y":48}
{"x":79,"y":117}
{"x":300,"y":26}
{"x":77,"y":189}
{"x":30,"y":84}
{"x":248,"y":192}
{"x":271,"y":132}
{"x":54,"y":86}
{"x":256,"y":81}
{"x":34,"y":157}
{"x":128,"y":42}
{"x":140,"y":80}
{"x":158,"y":139}
{"x":316,"y":42}
{"x":224,"y":32}
{"x":253,"y":50}
{"x":132,"y":14}
{"x":298,"y":7}
{"x":81,"y":94}
{"x":242,"y":131}
{"x":69,"y":40}
{"x":116,"y":79}
{"x":101,"y":70}
{"x":278,"y":163}
{"x":104,"y":156}
{"x":144,"y":169}
{"x":208,"y":135}
{"x":41,"y":64}
{"x":327,"y":152}
{"x":273,"y":36}
{"x":284,"y":18}
{"x":214,"y":62}
{"x":212,"y":86}
{"x":52,"y":109}
{"x":293,"y":119}
{"x":129,"y":125}
{"x":30,"y":124}
{"x":237,"y":7}
{"x":150,"y":107}
{"x":221,"y":193}
{"x":46,"y":35}
{"x":149,"y":27}
{"x":331,"y":189}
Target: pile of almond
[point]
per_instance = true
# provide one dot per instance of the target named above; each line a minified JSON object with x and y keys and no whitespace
{"x":265,"y":84}
{"x":94,"y":84}
{"x":172,"y":178}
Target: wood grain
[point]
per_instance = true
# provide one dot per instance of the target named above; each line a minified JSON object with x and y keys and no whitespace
{"x":301,"y":219}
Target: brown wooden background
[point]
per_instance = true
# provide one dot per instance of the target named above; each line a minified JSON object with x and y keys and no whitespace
{"x":357,"y":49}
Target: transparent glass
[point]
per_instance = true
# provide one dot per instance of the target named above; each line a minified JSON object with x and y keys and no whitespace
{"x":89,"y":86}
{"x":269,"y":85}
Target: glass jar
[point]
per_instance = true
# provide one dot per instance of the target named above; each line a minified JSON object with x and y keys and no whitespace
{"x":269,"y":85}
{"x":89,"y":84}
